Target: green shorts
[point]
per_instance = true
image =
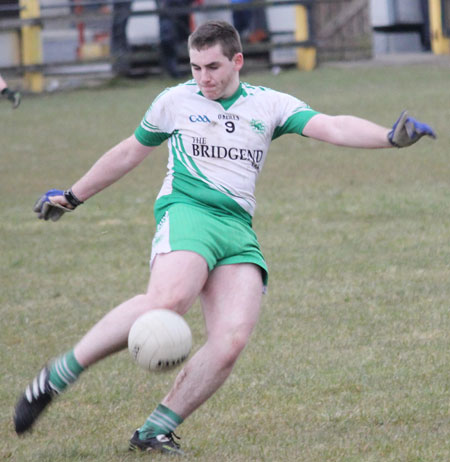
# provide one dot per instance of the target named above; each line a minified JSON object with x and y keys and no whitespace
{"x":219,"y":239}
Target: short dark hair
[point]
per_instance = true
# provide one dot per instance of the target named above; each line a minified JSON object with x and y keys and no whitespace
{"x":212,"y":33}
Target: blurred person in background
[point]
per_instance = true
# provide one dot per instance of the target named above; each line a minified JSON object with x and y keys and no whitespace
{"x":242,"y":18}
{"x":425,"y":36}
{"x":174,"y":30}
{"x":222,"y":14}
{"x":251,"y":23}
{"x":13,"y":96}
{"x":119,"y":43}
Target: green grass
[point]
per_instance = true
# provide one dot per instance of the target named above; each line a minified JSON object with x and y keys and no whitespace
{"x":350,"y":360}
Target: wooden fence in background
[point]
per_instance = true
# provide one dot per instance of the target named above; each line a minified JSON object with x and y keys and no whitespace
{"x":342,"y":29}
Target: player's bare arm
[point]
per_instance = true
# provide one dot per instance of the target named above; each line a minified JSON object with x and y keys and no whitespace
{"x":112,"y":166}
{"x":345,"y":130}
{"x":355,"y":132}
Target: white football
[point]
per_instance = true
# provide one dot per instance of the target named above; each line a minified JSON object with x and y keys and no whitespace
{"x":159,"y":339}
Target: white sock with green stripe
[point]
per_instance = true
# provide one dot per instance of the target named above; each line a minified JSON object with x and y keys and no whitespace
{"x":64,"y":371}
{"x":161,"y":421}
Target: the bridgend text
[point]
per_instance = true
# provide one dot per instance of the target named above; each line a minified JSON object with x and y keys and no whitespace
{"x":254,"y":156}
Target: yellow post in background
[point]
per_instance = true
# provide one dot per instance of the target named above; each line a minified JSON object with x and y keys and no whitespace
{"x":439,"y":43}
{"x":306,"y":56}
{"x":31,"y":45}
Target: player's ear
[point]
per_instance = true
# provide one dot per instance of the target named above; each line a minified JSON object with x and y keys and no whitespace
{"x":238,"y":60}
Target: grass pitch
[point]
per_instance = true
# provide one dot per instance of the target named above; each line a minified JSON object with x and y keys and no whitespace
{"x":350,"y":360}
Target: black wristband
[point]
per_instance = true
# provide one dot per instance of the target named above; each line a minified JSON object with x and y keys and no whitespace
{"x":390,"y":138}
{"x":71,"y":198}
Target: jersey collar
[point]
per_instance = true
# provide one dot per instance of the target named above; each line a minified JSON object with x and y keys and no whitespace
{"x":226,"y":103}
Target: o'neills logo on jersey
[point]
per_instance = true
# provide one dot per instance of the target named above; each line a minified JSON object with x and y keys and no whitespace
{"x":254,"y":156}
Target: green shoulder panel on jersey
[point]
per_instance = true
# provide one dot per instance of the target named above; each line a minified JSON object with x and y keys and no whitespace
{"x":150,"y":136}
{"x":296,"y":122}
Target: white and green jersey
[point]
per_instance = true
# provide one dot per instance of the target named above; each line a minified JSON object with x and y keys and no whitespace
{"x":217,"y":148}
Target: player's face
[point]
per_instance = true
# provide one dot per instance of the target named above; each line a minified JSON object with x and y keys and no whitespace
{"x":216,"y":75}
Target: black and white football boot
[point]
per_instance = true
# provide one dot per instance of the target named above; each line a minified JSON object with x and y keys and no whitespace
{"x":38,"y":395}
{"x":160,"y":443}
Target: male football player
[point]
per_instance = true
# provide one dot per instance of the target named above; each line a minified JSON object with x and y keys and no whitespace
{"x":218,"y":130}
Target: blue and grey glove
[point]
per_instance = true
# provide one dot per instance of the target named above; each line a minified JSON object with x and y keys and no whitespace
{"x":407,"y":131}
{"x":48,"y":210}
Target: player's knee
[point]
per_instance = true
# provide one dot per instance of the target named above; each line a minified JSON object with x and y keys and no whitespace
{"x":230,"y":346}
{"x":174,"y":300}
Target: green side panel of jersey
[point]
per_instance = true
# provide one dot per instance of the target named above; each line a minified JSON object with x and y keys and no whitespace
{"x":187,"y":191}
{"x":150,"y":138}
{"x":189,"y":187}
{"x":295,"y":123}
